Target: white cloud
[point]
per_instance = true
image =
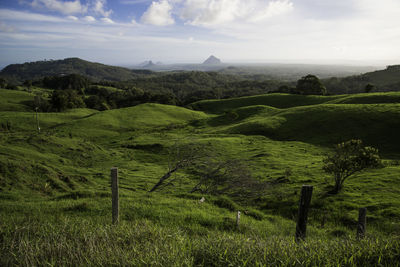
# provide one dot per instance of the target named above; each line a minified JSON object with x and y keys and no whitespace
{"x":273,"y":8}
{"x":159,"y":14}
{"x":99,"y":7}
{"x":134,"y":22}
{"x":235,"y":30}
{"x":72,"y":18}
{"x":12,"y":15}
{"x":216,"y":12}
{"x":107,"y":20}
{"x":67,"y":7}
{"x":133,"y":2}
{"x":89,"y":19}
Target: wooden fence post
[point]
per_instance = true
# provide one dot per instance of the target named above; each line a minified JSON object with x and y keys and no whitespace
{"x":362,"y":223}
{"x":37,"y":120}
{"x":238,"y":219}
{"x":305,"y":199}
{"x":114,"y":197}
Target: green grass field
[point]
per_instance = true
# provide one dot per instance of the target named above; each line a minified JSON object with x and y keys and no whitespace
{"x":55,"y":193}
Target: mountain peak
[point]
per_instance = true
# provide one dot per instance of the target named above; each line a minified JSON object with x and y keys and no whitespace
{"x":212,"y":60}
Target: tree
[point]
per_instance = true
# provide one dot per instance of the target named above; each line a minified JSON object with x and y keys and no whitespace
{"x":72,"y":82}
{"x":66,"y":99}
{"x":40,"y":103}
{"x":96,"y":102}
{"x":11,"y":86}
{"x":3,"y":83}
{"x":27,"y":84}
{"x":369,"y":87}
{"x":310,"y":85}
{"x":349,"y":158}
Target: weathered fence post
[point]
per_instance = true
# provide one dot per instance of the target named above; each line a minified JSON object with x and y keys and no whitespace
{"x":305,"y":199}
{"x":37,"y":120}
{"x":114,"y":197}
{"x":362,"y":223}
{"x":238,"y":219}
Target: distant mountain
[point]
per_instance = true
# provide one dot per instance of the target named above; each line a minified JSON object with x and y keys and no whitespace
{"x":212,"y":61}
{"x":18,"y":73}
{"x":144,"y":63}
{"x":150,"y":64}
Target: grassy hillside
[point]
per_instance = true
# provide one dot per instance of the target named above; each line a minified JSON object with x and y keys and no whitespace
{"x":371,"y":98}
{"x":15,"y":100}
{"x":326,"y":124}
{"x":55,"y":196}
{"x":290,"y":100}
{"x":125,"y":120}
{"x":273,"y":100}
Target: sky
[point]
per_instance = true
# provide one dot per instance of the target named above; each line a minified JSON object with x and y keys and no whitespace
{"x":127,"y":32}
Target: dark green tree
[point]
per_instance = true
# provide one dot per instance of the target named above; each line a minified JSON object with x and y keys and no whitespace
{"x":96,"y":102}
{"x":27,"y":84}
{"x":3,"y":83}
{"x":369,"y":87}
{"x":11,"y":86}
{"x":66,"y":99}
{"x":72,"y":81}
{"x":349,"y":158}
{"x":310,"y":85}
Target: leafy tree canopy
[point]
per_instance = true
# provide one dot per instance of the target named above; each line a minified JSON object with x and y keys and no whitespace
{"x":66,"y":99}
{"x":310,"y":85}
{"x":349,"y":158}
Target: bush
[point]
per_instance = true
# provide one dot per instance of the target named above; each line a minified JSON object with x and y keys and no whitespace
{"x":349,"y":158}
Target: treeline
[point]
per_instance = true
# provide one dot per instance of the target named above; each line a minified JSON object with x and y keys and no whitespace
{"x":76,"y":91}
{"x":188,"y":87}
{"x":100,"y":98}
{"x":178,"y":88}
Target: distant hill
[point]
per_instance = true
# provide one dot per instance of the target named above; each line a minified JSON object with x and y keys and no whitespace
{"x":18,"y":73}
{"x":212,"y":61}
{"x":388,"y":76}
{"x":382,"y":80}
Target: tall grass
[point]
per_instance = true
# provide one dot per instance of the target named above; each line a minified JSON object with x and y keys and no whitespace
{"x":142,"y":243}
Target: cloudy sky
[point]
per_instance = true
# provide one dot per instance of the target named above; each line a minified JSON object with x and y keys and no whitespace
{"x":127,"y":32}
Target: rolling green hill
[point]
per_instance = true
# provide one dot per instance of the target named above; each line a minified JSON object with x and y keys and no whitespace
{"x":376,"y":124}
{"x":11,"y":100}
{"x":288,"y":101}
{"x":55,"y":203}
{"x":125,"y":120}
{"x":273,"y":100}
